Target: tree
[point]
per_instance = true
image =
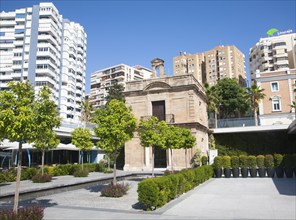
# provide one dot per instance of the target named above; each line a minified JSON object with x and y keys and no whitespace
{"x":116,"y":92}
{"x":151,"y":134}
{"x":46,"y":117}
{"x":213,"y":101}
{"x":187,"y":141}
{"x":81,"y":138}
{"x":293,"y":105}
{"x":115,"y":126}
{"x":86,"y":112}
{"x":232,"y":97}
{"x":255,"y":95}
{"x":17,"y":121}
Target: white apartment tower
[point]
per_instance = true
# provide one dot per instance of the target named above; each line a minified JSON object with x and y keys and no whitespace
{"x":38,"y":45}
{"x":102,"y":80}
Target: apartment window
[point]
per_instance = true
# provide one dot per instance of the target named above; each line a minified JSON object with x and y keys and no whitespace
{"x":276,"y":104}
{"x":274,"y":87}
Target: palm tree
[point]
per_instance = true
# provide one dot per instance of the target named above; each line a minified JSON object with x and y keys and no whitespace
{"x":256,"y":95}
{"x":213,"y":101}
{"x":86,"y":112}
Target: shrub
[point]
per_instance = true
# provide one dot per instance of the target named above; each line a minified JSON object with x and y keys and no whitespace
{"x":100,"y":167}
{"x":30,"y":172}
{"x":117,"y":190}
{"x":218,"y":162}
{"x":48,"y":170}
{"x":155,"y":192}
{"x":61,"y":170}
{"x":243,"y":161}
{"x":288,"y":161}
{"x":91,"y":167}
{"x":204,"y":160}
{"x":196,"y":159}
{"x":278,"y":160}
{"x":226,"y":162}
{"x":148,"y":194}
{"x":81,"y":173}
{"x":268,"y":162}
{"x":234,"y":160}
{"x":260,"y":161}
{"x":252,"y":163}
{"x":39,"y":178}
{"x":31,"y":213}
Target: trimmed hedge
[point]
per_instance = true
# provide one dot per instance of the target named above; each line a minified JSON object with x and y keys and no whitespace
{"x":59,"y":170}
{"x":156,"y":192}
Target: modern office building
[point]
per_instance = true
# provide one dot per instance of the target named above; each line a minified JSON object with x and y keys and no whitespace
{"x":103,"y":79}
{"x":273,"y":67}
{"x":212,"y":65}
{"x":38,"y":45}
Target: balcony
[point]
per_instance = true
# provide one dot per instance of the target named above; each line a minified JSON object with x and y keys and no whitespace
{"x":232,"y":122}
{"x":169,"y":118}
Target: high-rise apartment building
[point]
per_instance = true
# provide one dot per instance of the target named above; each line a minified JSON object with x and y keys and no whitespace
{"x":102,"y":80}
{"x":273,"y":68}
{"x":212,"y":65}
{"x":38,"y":45}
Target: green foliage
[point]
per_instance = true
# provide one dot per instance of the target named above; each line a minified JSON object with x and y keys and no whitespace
{"x":187,"y":139}
{"x":81,"y":173}
{"x":268,"y":162}
{"x":229,"y":151}
{"x":196,"y":159}
{"x":86,"y":111}
{"x":243,"y":161}
{"x":234,"y":160}
{"x":7,"y":176}
{"x":218,"y":162}
{"x":212,"y":142}
{"x":81,"y":138}
{"x":288,"y":161}
{"x":116,"y":191}
{"x":115,"y":92}
{"x":252,"y":162}
{"x":204,"y":160}
{"x":260,"y":161}
{"x":278,"y":160}
{"x":231,"y":96}
{"x":39,"y":178}
{"x":30,"y":213}
{"x":226,"y":162}
{"x":156,"y":192}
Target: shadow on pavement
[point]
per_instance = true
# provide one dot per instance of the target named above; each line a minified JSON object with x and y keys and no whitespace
{"x":29,"y":203}
{"x":285,"y":186}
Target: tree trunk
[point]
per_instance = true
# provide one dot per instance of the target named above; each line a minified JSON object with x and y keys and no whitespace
{"x":114,"y":168}
{"x":82,"y":160}
{"x":18,"y":178}
{"x":256,"y":117}
{"x":42,"y":163}
{"x":172,"y":165}
{"x":186,"y":158}
{"x":152,"y":161}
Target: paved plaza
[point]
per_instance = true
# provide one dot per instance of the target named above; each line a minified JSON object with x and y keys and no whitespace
{"x":240,"y":198}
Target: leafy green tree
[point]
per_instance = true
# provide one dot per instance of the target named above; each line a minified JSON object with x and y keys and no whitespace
{"x":212,"y":142}
{"x":232,"y":97}
{"x":17,"y":121}
{"x":151,"y":134}
{"x":81,"y":138}
{"x":115,"y":126}
{"x":116,"y":92}
{"x":187,"y":141}
{"x":46,"y":117}
{"x":213,"y":101}
{"x":255,"y":95}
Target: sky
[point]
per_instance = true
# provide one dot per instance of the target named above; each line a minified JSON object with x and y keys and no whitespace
{"x":135,"y":32}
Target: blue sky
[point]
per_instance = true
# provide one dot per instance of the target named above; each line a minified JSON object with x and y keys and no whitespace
{"x":135,"y":32}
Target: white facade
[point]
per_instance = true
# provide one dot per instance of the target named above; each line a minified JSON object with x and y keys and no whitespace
{"x":102,"y":80}
{"x":32,"y":47}
{"x":273,"y":54}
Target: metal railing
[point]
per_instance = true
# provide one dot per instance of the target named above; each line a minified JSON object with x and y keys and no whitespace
{"x":232,"y":122}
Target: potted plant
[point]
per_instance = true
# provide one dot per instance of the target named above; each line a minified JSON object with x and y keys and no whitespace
{"x":279,"y":166}
{"x":260,"y":165}
{"x":269,"y":164}
{"x":226,"y":166}
{"x":243,"y":163}
{"x":252,"y":164}
{"x":288,"y":165}
{"x":234,"y":160}
{"x":217,"y":165}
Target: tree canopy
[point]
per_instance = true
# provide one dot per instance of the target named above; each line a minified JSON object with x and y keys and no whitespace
{"x":116,"y":92}
{"x":115,"y":126}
